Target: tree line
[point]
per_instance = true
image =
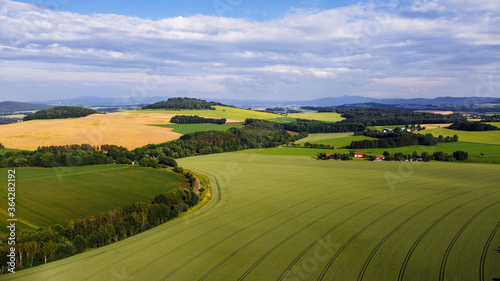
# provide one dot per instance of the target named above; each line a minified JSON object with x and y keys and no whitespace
{"x":458,"y":155}
{"x":335,"y":156}
{"x":5,"y":120}
{"x":491,"y":118}
{"x":60,"y":112}
{"x":314,"y":126}
{"x":472,"y":126}
{"x":381,"y":116}
{"x":395,"y":139}
{"x":43,"y":245}
{"x":186,"y":119}
{"x":183,"y":103}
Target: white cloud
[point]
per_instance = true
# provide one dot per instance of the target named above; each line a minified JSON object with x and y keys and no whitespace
{"x":364,"y":48}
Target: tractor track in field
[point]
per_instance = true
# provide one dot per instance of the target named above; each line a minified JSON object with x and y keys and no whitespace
{"x":377,"y":247}
{"x":240,"y":230}
{"x":270,"y":230}
{"x":182,"y":245}
{"x":218,"y":201}
{"x":295,"y":233}
{"x":214,"y":218}
{"x":419,"y":239}
{"x":485,"y":251}
{"x":342,"y":248}
{"x":442,"y":269}
{"x":290,"y":266}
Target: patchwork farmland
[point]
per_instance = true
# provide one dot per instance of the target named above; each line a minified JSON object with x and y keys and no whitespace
{"x":293,"y":218}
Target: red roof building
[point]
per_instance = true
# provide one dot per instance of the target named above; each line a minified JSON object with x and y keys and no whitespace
{"x":359,"y":154}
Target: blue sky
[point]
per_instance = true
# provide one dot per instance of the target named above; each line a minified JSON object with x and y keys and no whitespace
{"x":258,"y":10}
{"x":241,"y":49}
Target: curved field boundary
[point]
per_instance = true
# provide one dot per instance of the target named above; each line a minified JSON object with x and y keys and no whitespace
{"x":214,"y":218}
{"x":295,"y":234}
{"x":415,"y":244}
{"x":442,"y":270}
{"x":196,"y":238}
{"x":272,"y":229}
{"x":290,"y":266}
{"x":485,"y":251}
{"x":377,"y":247}
{"x":218,"y":201}
{"x":334,"y":257}
{"x":242,"y":229}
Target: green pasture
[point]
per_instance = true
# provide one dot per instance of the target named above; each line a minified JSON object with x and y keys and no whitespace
{"x":5,"y":150}
{"x":46,"y":196}
{"x":191,"y":128}
{"x":219,"y":112}
{"x":294,"y":218}
{"x":494,"y":124}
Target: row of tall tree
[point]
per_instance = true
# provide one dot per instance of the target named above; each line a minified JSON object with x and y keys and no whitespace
{"x":314,"y":126}
{"x":194,"y":119}
{"x":491,"y":118}
{"x":382,"y":116}
{"x":399,"y":140}
{"x":472,"y":126}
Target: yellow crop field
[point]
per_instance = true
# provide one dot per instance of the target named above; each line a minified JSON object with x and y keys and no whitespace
{"x":130,"y":130}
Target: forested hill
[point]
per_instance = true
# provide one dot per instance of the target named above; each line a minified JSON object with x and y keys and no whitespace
{"x":182,"y":103}
{"x":60,"y":112}
{"x":13,"y":106}
{"x":380,"y":116}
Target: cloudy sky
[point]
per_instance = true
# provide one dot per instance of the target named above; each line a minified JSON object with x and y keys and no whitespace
{"x":242,"y":49}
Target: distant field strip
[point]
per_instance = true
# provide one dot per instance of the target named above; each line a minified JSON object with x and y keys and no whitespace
{"x":293,"y":218}
{"x":487,"y":137}
{"x":321,"y":116}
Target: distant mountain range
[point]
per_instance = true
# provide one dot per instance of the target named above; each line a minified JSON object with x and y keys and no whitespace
{"x":331,"y":101}
{"x":13,"y":106}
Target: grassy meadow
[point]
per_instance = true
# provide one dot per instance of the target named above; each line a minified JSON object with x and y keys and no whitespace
{"x":293,"y":218}
{"x":191,"y":128}
{"x":232,"y":114}
{"x":46,"y":196}
{"x":487,"y":137}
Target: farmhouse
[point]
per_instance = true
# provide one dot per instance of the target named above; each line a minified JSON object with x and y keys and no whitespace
{"x":359,"y":154}
{"x":379,"y":158}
